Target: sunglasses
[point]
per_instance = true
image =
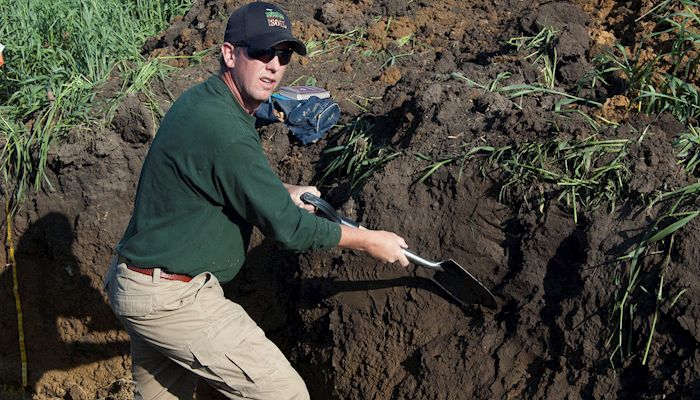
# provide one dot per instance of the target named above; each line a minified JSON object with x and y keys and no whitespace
{"x":266,"y":55}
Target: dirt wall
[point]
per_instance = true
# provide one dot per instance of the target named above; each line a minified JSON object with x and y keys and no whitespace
{"x":352,"y":327}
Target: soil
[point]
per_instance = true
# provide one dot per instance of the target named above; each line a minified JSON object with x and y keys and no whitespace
{"x":354,"y":328}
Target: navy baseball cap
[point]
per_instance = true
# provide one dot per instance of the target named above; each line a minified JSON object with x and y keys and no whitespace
{"x":261,"y":25}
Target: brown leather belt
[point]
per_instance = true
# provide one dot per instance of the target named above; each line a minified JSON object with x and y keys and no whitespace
{"x":163,"y":274}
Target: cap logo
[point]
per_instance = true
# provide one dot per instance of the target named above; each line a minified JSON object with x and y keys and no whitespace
{"x":275,"y":18}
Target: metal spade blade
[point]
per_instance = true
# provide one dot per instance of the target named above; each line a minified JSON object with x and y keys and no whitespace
{"x":457,"y":282}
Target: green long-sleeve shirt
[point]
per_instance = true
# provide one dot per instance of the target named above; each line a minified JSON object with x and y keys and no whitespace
{"x":204,"y":184}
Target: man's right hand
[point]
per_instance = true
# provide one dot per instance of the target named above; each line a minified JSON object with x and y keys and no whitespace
{"x":384,"y":246}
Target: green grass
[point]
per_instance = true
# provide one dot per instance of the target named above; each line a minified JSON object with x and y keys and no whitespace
{"x":356,"y":42}
{"x":357,"y":157}
{"x":680,"y":98}
{"x":688,"y":145}
{"x":583,"y":174}
{"x":666,"y":82}
{"x":56,"y":54}
{"x":138,"y":77}
{"x":461,"y":159}
{"x":518,"y":90}
{"x":587,"y":174}
{"x":569,"y":169}
{"x":641,"y":265}
{"x":345,"y":42}
{"x":679,"y":20}
{"x":540,"y":51}
{"x":392,"y":58}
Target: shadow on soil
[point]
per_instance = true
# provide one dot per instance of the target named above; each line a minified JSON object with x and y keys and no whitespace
{"x":66,"y":321}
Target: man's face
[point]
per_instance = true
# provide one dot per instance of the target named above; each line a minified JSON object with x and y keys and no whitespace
{"x":256,"y":79}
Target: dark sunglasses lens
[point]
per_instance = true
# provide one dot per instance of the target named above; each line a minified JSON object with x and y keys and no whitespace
{"x":285,"y":56}
{"x":266,"y":55}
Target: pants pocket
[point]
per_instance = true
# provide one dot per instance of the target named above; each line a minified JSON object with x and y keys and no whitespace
{"x":131,"y":305}
{"x":256,"y":364}
{"x":246,"y":364}
{"x":230,"y":374}
{"x":122,"y":299}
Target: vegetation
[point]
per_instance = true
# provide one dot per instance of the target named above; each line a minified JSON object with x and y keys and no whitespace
{"x":640,"y":261}
{"x":651,"y":90}
{"x":587,"y":173}
{"x":345,"y":42}
{"x":584,"y":173}
{"x":359,"y":156}
{"x":665,"y":81}
{"x":56,"y":54}
{"x":540,"y":51}
{"x":518,"y":90}
{"x":357,"y":41}
{"x":688,"y":145}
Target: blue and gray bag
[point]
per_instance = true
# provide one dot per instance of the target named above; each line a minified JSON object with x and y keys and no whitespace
{"x":308,"y":120}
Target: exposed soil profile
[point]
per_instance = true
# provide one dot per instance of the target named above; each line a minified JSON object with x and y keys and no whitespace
{"x":355,"y":329}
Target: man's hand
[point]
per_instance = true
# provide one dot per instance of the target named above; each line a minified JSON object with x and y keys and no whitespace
{"x":384,"y":246}
{"x":296,"y":191}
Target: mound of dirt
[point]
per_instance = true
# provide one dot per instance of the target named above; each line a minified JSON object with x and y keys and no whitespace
{"x":354,"y":328}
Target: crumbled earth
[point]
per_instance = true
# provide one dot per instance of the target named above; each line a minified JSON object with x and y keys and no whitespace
{"x":354,"y":328}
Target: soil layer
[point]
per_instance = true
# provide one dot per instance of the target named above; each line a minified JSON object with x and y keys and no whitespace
{"x":352,"y":327}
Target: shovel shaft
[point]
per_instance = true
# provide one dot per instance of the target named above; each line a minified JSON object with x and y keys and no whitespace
{"x":416,"y":259}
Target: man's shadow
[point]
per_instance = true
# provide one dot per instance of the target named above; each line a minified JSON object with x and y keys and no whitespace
{"x":270,"y":290}
{"x":66,"y":320}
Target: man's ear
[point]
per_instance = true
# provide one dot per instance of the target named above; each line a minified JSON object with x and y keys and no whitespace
{"x":228,"y":54}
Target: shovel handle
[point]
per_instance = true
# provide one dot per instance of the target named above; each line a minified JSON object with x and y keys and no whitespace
{"x":329,"y":212}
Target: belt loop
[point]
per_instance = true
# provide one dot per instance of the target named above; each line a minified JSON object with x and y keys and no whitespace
{"x":156,"y":275}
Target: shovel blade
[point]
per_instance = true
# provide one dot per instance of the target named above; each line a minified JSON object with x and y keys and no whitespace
{"x":463,"y":286}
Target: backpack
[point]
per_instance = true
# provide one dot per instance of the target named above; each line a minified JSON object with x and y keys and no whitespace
{"x":308,"y":120}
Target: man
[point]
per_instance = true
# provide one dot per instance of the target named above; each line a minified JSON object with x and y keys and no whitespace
{"x":204,"y":184}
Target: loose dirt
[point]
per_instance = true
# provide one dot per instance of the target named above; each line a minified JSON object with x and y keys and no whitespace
{"x":354,"y":328}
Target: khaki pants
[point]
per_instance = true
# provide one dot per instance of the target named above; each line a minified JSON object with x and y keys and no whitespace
{"x":181,"y":331}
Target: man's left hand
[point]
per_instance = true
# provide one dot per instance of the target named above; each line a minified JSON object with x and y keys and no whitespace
{"x":296,"y":191}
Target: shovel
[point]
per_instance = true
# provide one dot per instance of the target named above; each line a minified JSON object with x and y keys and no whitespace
{"x":456,"y":281}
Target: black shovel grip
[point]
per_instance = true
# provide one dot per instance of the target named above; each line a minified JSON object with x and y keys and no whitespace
{"x":327,"y":210}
